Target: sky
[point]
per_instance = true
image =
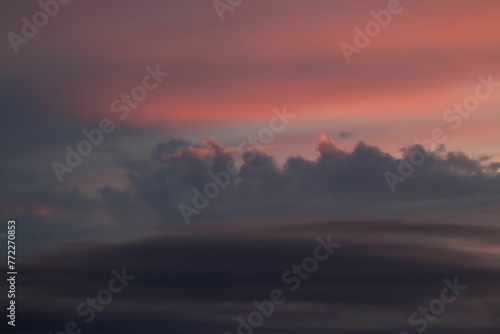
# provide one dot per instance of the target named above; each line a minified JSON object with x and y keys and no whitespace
{"x":206,"y":145}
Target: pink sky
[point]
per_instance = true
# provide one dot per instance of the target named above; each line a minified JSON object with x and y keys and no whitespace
{"x":226,"y":77}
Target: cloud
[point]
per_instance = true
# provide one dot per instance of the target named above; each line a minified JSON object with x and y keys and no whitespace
{"x":345,"y":134}
{"x":338,"y":181}
{"x":202,"y":278}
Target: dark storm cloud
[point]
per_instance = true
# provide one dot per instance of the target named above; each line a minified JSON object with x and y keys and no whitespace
{"x":337,"y":181}
{"x":202,"y":281}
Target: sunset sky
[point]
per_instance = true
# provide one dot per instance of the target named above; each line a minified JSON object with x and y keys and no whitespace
{"x":433,"y":70}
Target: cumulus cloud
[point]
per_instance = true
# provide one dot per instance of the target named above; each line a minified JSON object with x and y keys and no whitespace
{"x":337,"y":181}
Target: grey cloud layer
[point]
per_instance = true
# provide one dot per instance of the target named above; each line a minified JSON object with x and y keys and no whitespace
{"x":200,"y":282}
